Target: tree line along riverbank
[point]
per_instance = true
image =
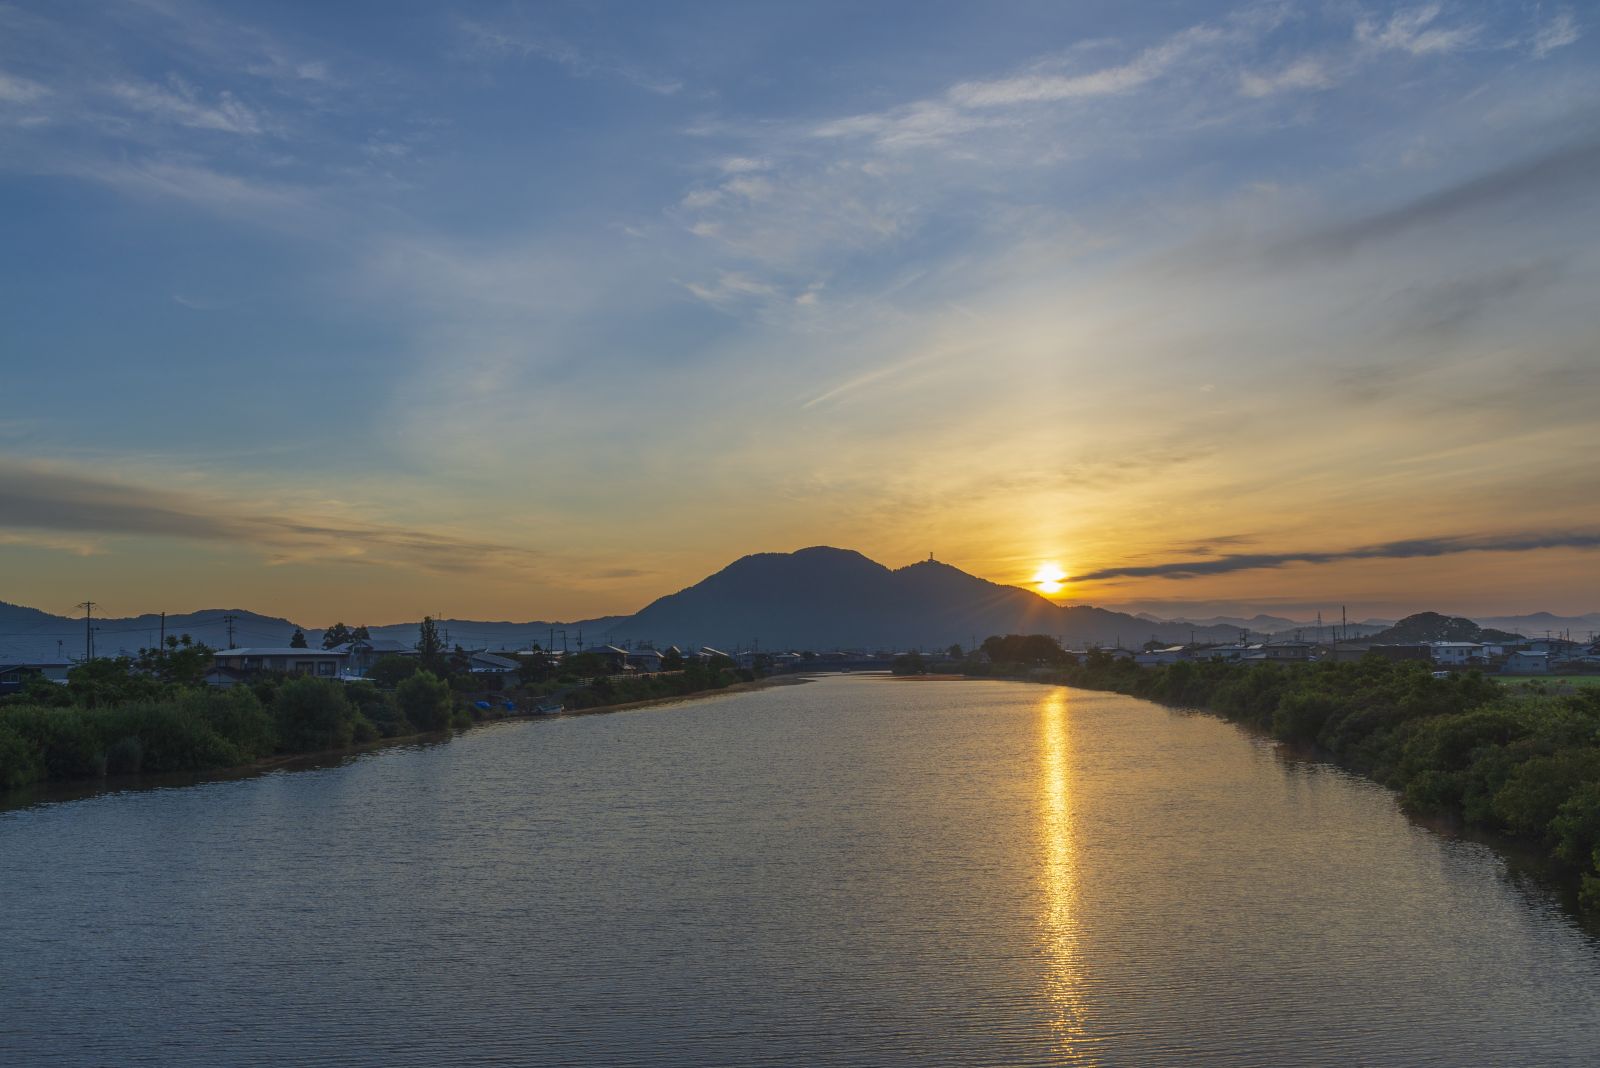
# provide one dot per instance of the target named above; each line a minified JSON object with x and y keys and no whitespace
{"x":1502,"y":759}
{"x":155,"y":715}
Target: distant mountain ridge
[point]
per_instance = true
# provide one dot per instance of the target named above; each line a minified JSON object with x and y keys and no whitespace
{"x":823,"y":597}
{"x":30,"y":634}
{"x":818,"y":598}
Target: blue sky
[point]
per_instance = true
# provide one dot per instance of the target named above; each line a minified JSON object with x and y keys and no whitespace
{"x":547,"y":309}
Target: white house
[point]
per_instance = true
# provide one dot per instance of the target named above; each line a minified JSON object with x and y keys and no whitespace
{"x":1456,"y":654}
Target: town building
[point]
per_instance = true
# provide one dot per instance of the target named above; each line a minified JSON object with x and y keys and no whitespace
{"x":1456,"y":654}
{"x":323,"y":663}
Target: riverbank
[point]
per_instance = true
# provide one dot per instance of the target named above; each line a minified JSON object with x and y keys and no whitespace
{"x":1514,"y":765}
{"x":650,"y":702}
{"x":188,"y":739}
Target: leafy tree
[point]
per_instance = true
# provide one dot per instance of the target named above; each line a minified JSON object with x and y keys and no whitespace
{"x":586,"y":666}
{"x":238,"y":717}
{"x":313,"y":714}
{"x":955,"y":653}
{"x":298,"y":640}
{"x":20,"y":761}
{"x":909,"y":664}
{"x":1024,"y":649}
{"x":183,"y":662}
{"x":360,"y":635}
{"x":533,"y":668}
{"x":431,"y":646}
{"x":425,"y":700}
{"x":66,"y":740}
{"x":337,"y":634}
{"x":672,"y":660}
{"x":391,"y":670}
{"x":378,"y":707}
{"x":108,"y":681}
{"x":41,"y":692}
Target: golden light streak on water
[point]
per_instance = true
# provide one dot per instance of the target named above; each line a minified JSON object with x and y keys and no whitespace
{"x":1065,"y":978}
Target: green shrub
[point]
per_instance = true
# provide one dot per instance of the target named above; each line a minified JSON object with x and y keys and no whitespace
{"x":379,"y":709}
{"x":165,"y":736}
{"x":425,"y":700}
{"x":66,"y":740}
{"x":237,"y":716}
{"x":312,"y":714}
{"x":20,"y":761}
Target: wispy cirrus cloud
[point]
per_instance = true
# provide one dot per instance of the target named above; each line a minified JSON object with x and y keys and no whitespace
{"x":1306,"y":73}
{"x":15,"y":89}
{"x":1559,"y":32}
{"x":1407,"y":549}
{"x":483,"y":39}
{"x":1416,"y":30}
{"x":181,"y":103}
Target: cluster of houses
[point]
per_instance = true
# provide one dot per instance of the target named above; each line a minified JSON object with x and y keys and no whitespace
{"x":498,"y":669}
{"x":353,"y":660}
{"x":1532,"y":656}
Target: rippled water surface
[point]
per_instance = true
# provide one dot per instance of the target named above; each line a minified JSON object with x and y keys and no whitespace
{"x":853,"y":871}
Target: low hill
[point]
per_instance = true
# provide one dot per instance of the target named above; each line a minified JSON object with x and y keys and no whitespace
{"x":1433,"y":627}
{"x":29,"y":634}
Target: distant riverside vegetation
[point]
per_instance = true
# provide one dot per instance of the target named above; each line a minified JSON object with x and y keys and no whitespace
{"x":1505,"y":759}
{"x":154,"y":713}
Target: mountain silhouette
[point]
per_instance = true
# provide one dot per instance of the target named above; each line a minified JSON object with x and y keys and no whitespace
{"x":822,"y":598}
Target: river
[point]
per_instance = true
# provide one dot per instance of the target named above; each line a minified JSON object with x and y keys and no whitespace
{"x":856,"y":871}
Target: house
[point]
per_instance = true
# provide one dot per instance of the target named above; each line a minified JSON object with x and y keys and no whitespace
{"x":323,"y":663}
{"x":1287,"y":652}
{"x":1558,"y":648}
{"x":1455,"y":654}
{"x":1234,"y":651}
{"x":1157,"y":657}
{"x":616,"y":658}
{"x":646,"y":660}
{"x":15,"y":677}
{"x":486,"y":667}
{"x":1523,"y":662}
{"x":223,"y":678}
{"x":362,"y":653}
{"x":787,"y":661}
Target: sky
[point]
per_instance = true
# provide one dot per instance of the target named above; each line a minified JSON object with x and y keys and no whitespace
{"x":364,"y":310}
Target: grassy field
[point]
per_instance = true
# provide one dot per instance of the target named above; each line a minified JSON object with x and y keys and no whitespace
{"x":1552,"y":683}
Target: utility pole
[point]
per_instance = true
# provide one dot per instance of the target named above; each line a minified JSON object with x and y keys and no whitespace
{"x":228,"y":619}
{"x":162,"y":645}
{"x":88,"y":628}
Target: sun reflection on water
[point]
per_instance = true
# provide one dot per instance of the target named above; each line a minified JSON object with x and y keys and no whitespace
{"x":1064,"y":982}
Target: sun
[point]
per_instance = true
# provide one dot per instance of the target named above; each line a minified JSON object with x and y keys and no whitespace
{"x":1050,"y":578}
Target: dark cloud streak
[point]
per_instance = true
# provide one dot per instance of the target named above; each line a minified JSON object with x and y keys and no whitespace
{"x":46,"y":498}
{"x":1540,"y":182}
{"x":1393,"y":550}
